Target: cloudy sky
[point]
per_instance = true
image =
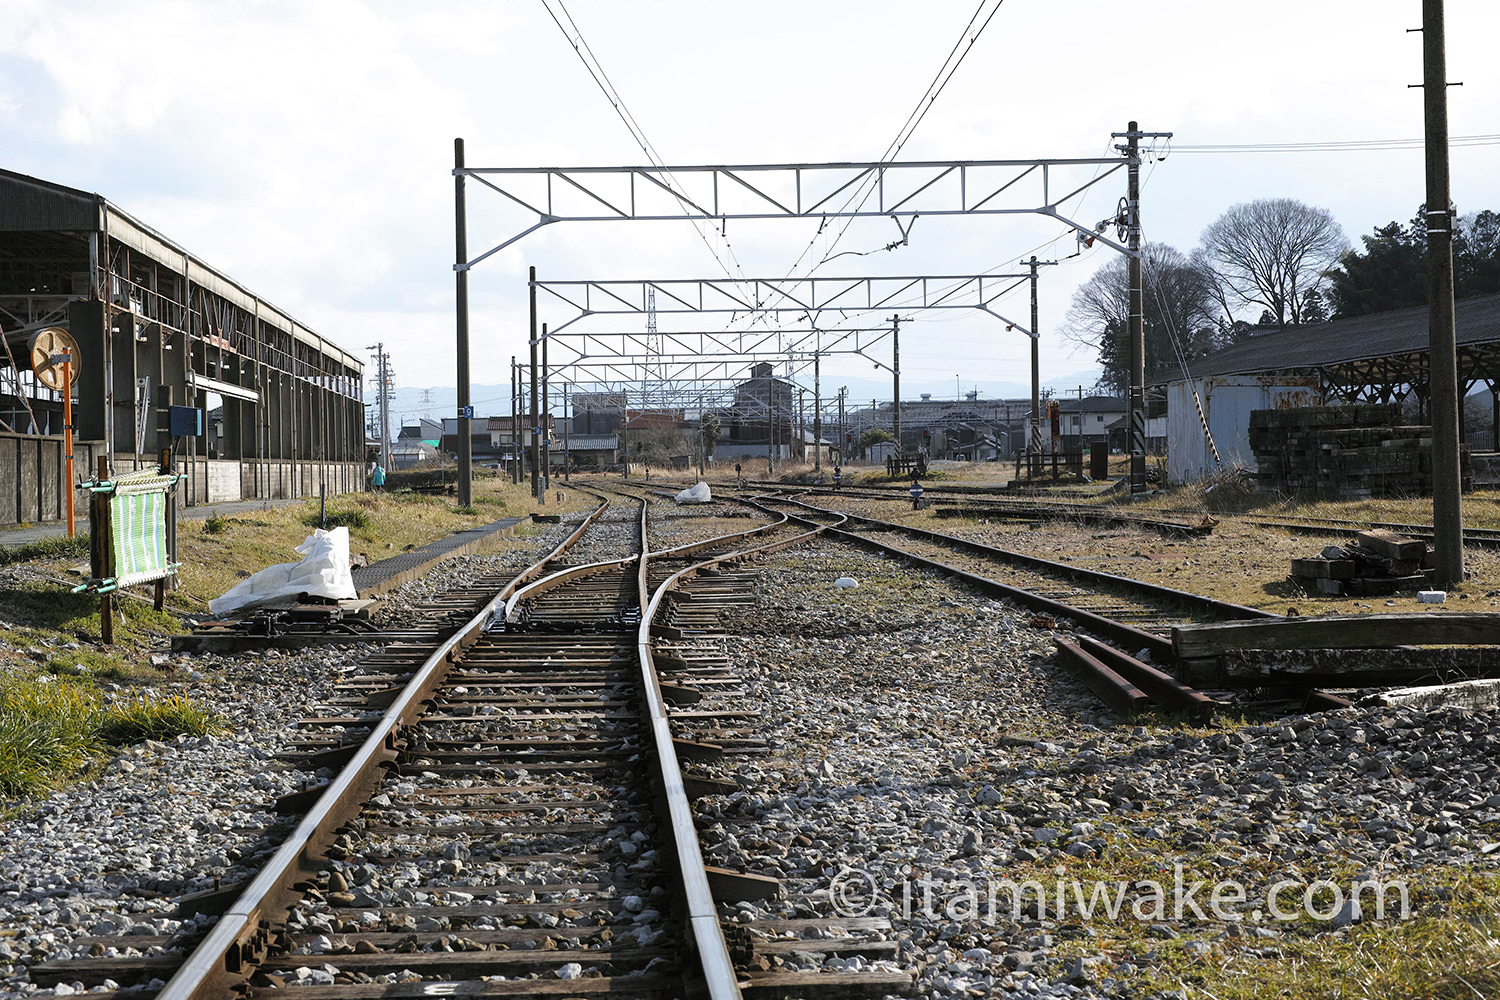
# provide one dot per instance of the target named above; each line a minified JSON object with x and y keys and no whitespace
{"x":305,"y":148}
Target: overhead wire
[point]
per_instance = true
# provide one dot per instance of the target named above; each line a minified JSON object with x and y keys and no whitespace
{"x":606,"y":86}
{"x":1333,"y":145}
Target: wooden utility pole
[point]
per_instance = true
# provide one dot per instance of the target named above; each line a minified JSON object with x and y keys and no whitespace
{"x":1447,"y":476}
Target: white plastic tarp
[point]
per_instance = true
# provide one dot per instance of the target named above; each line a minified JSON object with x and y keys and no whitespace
{"x":696,"y":494}
{"x":323,"y":572}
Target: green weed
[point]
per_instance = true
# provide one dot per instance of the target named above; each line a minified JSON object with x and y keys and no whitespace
{"x":45,"y":548}
{"x":46,"y":728}
{"x":124,"y":723}
{"x":216,"y":524}
{"x":339,"y":519}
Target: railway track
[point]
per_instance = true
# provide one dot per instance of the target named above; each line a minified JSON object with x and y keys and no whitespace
{"x":1126,"y":656}
{"x":982,"y":502}
{"x":512,"y":816}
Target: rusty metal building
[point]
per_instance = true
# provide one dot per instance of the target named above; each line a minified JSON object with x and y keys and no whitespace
{"x":283,"y":406}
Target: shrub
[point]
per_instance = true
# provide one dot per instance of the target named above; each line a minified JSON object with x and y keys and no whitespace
{"x":216,"y":524}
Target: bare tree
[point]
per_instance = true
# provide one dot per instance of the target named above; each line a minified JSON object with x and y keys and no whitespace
{"x":1272,"y":253}
{"x":1182,"y":314}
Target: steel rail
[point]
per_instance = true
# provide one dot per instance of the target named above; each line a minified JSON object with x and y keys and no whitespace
{"x":243,"y":933}
{"x":702,"y":916}
{"x":1184,"y":597}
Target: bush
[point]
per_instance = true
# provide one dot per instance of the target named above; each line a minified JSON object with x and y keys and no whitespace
{"x":130,"y":722}
{"x":216,"y":524}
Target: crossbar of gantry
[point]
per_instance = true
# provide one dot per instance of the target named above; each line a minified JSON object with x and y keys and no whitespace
{"x":717,"y":345}
{"x":793,"y":191}
{"x":810,"y":297}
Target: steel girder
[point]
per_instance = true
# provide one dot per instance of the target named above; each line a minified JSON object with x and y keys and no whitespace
{"x":810,"y":298}
{"x":795,"y":191}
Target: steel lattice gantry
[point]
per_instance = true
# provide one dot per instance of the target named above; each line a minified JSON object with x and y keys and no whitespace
{"x":811,"y":191}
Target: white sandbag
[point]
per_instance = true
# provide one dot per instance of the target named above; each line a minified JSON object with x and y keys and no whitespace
{"x":323,"y":572}
{"x":696,"y":494}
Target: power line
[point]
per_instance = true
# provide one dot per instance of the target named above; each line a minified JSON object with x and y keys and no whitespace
{"x":606,"y":86}
{"x":924,"y":104}
{"x":1335,"y":145}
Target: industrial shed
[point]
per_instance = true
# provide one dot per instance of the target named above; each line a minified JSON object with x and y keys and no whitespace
{"x":1379,"y":358}
{"x":157,"y":326}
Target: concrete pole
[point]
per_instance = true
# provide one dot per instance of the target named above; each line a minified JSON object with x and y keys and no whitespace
{"x":461,"y":268}
{"x":1447,"y":476}
{"x":1034,"y":445}
{"x":817,"y":416}
{"x":896,"y":379}
{"x":1137,"y":400}
{"x":535,"y":449}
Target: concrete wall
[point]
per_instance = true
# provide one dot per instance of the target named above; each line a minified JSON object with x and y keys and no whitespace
{"x":1227,"y":403}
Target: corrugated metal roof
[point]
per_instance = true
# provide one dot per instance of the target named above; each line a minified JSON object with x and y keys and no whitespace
{"x":1359,"y":338}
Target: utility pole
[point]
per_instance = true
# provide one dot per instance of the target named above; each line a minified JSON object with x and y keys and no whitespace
{"x":515,"y":423}
{"x":461,"y":267}
{"x":896,"y":379}
{"x":536,"y":481}
{"x":546,"y":420}
{"x":1447,"y":476}
{"x":843,"y":458}
{"x":567,"y":427}
{"x":817,"y":415}
{"x":383,"y":401}
{"x":1034,"y":446}
{"x":1136,"y":399}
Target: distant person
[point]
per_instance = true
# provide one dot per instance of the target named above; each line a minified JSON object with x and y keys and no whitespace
{"x":377,"y":477}
{"x":738,"y":477}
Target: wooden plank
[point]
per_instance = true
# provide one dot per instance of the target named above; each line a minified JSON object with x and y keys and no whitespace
{"x":1323,"y":569}
{"x":1357,"y":667}
{"x":1391,"y":545}
{"x":632,"y":986}
{"x":1464,"y":694}
{"x":824,"y":985}
{"x":1337,"y":632}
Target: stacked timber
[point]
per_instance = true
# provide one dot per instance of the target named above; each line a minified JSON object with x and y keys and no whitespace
{"x":1374,"y":564}
{"x":1347,"y":452}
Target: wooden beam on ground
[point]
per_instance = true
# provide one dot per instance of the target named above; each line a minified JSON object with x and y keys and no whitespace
{"x":1464,"y":694}
{"x":1357,"y":667}
{"x":1338,"y":632}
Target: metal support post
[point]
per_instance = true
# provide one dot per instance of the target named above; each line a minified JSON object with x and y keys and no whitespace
{"x":1447,"y":475}
{"x":896,"y":379}
{"x":1034,"y":436}
{"x":515,"y":423}
{"x":461,"y":253}
{"x":546,"y":420}
{"x":817,"y":415}
{"x":535,"y":450}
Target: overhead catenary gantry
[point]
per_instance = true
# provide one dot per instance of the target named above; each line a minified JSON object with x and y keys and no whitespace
{"x":808,"y":191}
